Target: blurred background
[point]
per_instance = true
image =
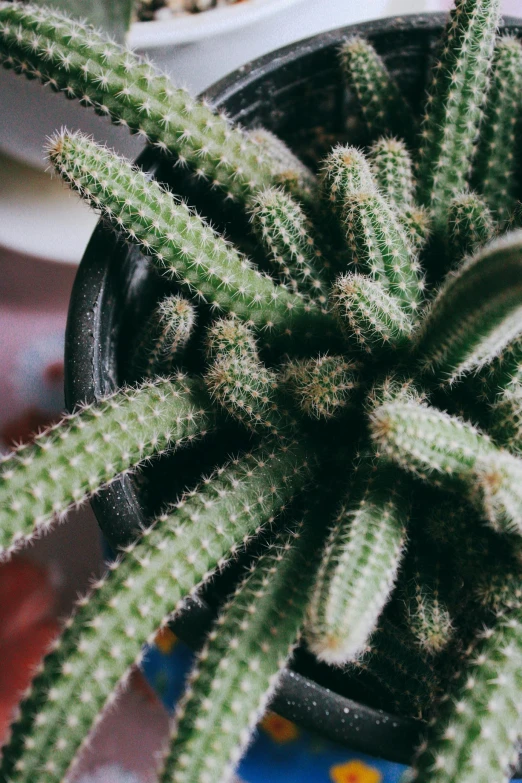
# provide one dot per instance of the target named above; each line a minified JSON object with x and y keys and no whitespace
{"x":43,"y":232}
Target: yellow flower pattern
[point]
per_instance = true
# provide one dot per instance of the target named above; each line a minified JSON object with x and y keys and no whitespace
{"x":355,"y":772}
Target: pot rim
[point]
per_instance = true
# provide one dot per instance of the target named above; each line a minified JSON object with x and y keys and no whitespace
{"x":297,"y":698}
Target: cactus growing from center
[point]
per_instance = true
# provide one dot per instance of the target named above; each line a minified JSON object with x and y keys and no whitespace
{"x":372,"y":399}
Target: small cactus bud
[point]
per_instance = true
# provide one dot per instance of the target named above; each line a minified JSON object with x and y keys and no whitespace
{"x":162,"y":342}
{"x":322,"y":387}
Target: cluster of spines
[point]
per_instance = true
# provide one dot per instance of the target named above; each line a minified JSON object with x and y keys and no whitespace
{"x":143,"y":587}
{"x":454,"y":105}
{"x":359,"y":564}
{"x":163,"y":339}
{"x":82,"y":63}
{"x":427,"y":617}
{"x":345,"y":171}
{"x":496,"y":161}
{"x":288,"y":237}
{"x":238,"y":669}
{"x":322,"y":387}
{"x":89,"y":448}
{"x":382,"y":104}
{"x":181,"y":245}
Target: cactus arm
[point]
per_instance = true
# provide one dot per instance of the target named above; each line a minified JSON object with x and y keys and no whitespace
{"x":452,"y":454}
{"x":84,"y":64}
{"x":345,"y":171}
{"x":287,"y":236}
{"x":383,"y":106}
{"x":427,"y":617}
{"x":455,"y":98}
{"x":359,"y":565}
{"x":239,"y":667}
{"x":470,"y":225}
{"x":140,"y":592}
{"x":322,"y":387}
{"x":368,"y":315}
{"x":475,"y":739}
{"x":182,"y":246}
{"x":477,"y":312}
{"x":292,"y":173}
{"x":496,"y":162}
{"x":381,"y":248}
{"x":162,"y":341}
{"x":392,"y":168}
{"x":83,"y":453}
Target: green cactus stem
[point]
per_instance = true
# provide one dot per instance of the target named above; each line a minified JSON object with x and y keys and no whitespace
{"x":503,"y":373}
{"x":499,"y":589}
{"x":454,"y":107}
{"x":345,"y":171}
{"x":74,"y":459}
{"x":180,"y":243}
{"x":470,"y":225}
{"x":506,"y":419}
{"x":477,"y":312}
{"x":452,"y":454}
{"x":240,"y":382}
{"x":288,"y":237}
{"x":380,"y":247}
{"x":384,"y":108}
{"x":475,"y":737}
{"x":226,"y":336}
{"x":392,"y":168}
{"x":496,"y":162}
{"x":322,"y":387}
{"x":141,"y":591}
{"x":239,"y":667}
{"x":289,"y":170}
{"x":75,"y":59}
{"x":162,"y":341}
{"x":359,"y":565}
{"x":368,"y":315}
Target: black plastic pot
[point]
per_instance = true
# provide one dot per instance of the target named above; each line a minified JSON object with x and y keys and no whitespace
{"x":297,"y":92}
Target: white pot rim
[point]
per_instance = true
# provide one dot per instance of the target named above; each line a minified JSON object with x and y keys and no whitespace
{"x":190,"y":28}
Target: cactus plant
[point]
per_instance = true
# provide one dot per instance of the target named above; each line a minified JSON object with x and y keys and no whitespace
{"x":349,"y":247}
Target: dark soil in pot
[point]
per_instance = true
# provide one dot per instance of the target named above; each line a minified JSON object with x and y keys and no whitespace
{"x":298,"y":93}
